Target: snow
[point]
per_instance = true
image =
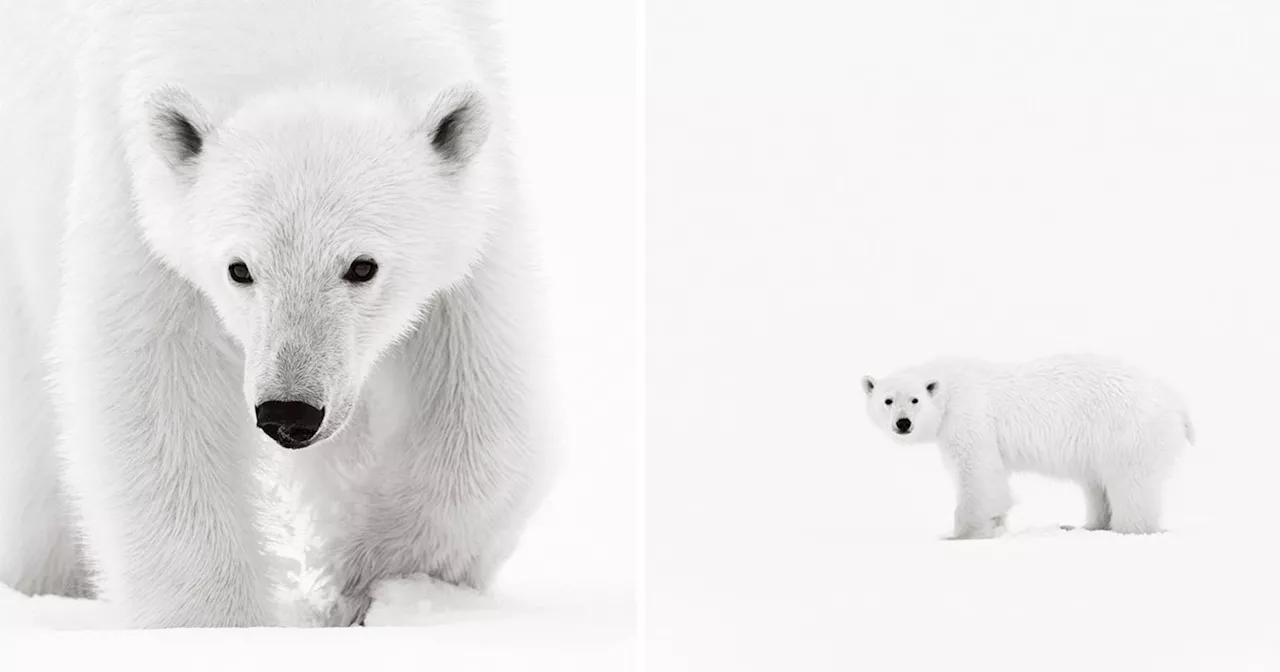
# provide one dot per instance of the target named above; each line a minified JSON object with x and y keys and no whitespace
{"x":415,"y":622}
{"x":1039,"y":597}
{"x":497,"y":637}
{"x":566,"y":600}
{"x":1043,"y":601}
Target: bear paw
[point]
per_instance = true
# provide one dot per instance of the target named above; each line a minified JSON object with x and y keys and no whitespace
{"x":349,"y":611}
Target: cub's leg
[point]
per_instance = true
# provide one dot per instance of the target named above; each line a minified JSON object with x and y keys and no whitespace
{"x":1136,"y":505}
{"x":983,"y":498}
{"x":1135,"y":487}
{"x":1097,"y":507}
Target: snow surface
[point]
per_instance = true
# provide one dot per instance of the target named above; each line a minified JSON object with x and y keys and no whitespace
{"x":566,"y":600}
{"x":828,"y":596}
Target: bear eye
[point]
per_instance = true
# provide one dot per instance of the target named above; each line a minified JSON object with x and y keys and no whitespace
{"x":888,"y":402}
{"x":239,"y":272}
{"x":914,"y":400}
{"x":362,"y":270}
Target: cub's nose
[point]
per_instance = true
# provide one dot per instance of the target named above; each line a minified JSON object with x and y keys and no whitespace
{"x":903,"y":425}
{"x":291,"y":424}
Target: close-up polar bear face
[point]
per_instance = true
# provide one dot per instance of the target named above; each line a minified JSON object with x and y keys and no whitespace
{"x":319,"y":223}
{"x":905,"y":407}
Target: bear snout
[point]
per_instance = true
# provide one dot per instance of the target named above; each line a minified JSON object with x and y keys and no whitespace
{"x":902,"y":426}
{"x":292,"y":424}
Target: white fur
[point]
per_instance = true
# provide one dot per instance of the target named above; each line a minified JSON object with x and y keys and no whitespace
{"x":317,"y":119}
{"x":1097,"y":422}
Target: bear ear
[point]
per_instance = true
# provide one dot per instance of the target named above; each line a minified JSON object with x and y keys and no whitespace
{"x":458,"y":125}
{"x":178,"y":127}
{"x":868,"y":385}
{"x":932,"y":388}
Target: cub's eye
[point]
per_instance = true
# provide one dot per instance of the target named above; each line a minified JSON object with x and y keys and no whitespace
{"x":888,"y":402}
{"x":239,"y":273}
{"x":915,"y":401}
{"x":362,"y":270}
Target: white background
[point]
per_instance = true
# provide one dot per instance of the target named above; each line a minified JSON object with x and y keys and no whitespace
{"x":836,"y":189}
{"x":577,"y":120}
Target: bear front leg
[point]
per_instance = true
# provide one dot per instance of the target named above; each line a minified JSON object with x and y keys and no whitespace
{"x":972,"y":523}
{"x":463,"y":468}
{"x":158,"y":441}
{"x":983,"y":498}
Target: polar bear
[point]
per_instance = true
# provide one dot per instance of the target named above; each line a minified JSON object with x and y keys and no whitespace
{"x":236,"y":228}
{"x":1089,"y":419}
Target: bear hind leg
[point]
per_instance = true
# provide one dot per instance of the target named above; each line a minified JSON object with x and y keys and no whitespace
{"x":1135,"y":506}
{"x":1097,"y":507}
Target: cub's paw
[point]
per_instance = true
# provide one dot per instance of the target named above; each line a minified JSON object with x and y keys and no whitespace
{"x":349,"y":611}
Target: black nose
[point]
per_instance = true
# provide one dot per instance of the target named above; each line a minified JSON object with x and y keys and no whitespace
{"x":289,"y":423}
{"x":903,"y":425}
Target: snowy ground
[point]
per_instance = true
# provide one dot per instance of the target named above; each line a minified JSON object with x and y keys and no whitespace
{"x":461,"y":632}
{"x":878,"y":588}
{"x":1038,"y":600}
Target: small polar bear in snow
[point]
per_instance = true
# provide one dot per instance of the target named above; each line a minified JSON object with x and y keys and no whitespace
{"x":237,"y":229}
{"x":1089,"y":419}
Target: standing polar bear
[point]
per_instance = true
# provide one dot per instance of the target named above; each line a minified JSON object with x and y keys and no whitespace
{"x":231,"y":228}
{"x":1091,"y":420}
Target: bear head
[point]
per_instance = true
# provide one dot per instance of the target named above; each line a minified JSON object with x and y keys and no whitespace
{"x":905,"y":406}
{"x":320,"y":223}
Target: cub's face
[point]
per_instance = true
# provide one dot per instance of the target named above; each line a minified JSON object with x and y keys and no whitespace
{"x":904,"y":407}
{"x":319,"y":226}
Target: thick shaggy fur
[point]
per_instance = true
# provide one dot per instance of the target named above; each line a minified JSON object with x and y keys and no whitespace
{"x":156,"y":142}
{"x":1094,"y":421}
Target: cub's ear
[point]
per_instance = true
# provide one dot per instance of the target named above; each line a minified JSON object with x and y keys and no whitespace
{"x":932,"y":388}
{"x":458,"y":125}
{"x":868,"y":385}
{"x":179,"y":127}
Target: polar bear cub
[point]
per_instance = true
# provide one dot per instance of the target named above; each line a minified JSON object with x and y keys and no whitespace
{"x":1089,"y":419}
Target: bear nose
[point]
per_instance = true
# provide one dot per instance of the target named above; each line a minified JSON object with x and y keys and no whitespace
{"x":903,"y":425}
{"x":291,"y":424}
